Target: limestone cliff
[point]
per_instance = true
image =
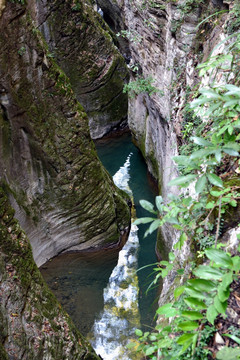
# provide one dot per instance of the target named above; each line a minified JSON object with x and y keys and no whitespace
{"x":166,"y":45}
{"x":33,"y":325}
{"x":63,"y":197}
{"x":80,"y":41}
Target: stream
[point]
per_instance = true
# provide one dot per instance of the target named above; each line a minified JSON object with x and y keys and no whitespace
{"x":103,"y":292}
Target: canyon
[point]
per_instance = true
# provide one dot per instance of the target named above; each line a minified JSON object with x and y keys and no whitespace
{"x":63,"y":68}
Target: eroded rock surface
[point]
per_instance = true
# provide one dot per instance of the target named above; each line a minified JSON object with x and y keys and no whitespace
{"x":166,"y":45}
{"x":32,"y":323}
{"x":63,"y":197}
{"x":81,"y":42}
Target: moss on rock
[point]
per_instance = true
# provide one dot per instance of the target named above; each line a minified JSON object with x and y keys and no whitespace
{"x":83,"y":46}
{"x":58,"y":185}
{"x":33,"y":324}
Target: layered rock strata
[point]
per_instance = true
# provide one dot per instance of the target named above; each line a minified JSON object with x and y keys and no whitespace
{"x":33,"y":325}
{"x":166,"y":45}
{"x":63,"y":197}
{"x":83,"y":45}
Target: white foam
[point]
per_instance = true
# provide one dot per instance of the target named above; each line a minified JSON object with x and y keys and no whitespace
{"x":120,"y":316}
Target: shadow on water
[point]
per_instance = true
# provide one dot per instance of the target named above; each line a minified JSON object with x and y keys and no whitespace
{"x":78,"y":279}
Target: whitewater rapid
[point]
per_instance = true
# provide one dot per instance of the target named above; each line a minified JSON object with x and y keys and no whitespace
{"x":120,"y":317}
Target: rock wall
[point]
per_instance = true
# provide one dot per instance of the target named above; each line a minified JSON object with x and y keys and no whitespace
{"x":85,"y":49}
{"x":166,"y":45}
{"x":32,"y":323}
{"x":63,"y":197}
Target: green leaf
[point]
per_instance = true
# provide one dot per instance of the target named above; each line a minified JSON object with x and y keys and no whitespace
{"x":215,"y":180}
{"x":138,"y":332}
{"x":236,"y":261}
{"x":216,"y":193}
{"x":131,"y":345}
{"x":201,"y":184}
{"x":223,"y":293}
{"x":171,"y":220}
{"x":182,"y":180}
{"x":233,"y":337}
{"x":232,"y":89}
{"x":143,"y":220}
{"x":188,"y":325}
{"x":180,"y":271}
{"x":195,"y":303}
{"x":159,"y":202}
{"x":211,"y":314}
{"x":228,"y":353}
{"x":181,"y":159}
{"x":207,"y":272}
{"x":197,"y":102}
{"x":231,"y":152}
{"x":230,"y":129}
{"x":147,"y":206}
{"x":210,"y":205}
{"x":210,"y":93}
{"x":200,"y":154}
{"x":164,"y":343}
{"x":200,"y":141}
{"x":185,"y":338}
{"x":218,"y":155}
{"x":167,"y":310}
{"x":178,"y":291}
{"x":171,"y":256}
{"x":150,"y":350}
{"x":190,"y":290}
{"x":227,"y":279}
{"x":154,"y":226}
{"x":182,"y":239}
{"x":219,"y":257}
{"x":202,"y":285}
{"x":164,"y":262}
{"x":233,"y":203}
{"x":194,"y":343}
{"x":221,"y":307}
{"x":188,"y":343}
{"x":192,"y":315}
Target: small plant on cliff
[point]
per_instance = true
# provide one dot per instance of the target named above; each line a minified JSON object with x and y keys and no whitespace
{"x":22,"y":51}
{"x":131,"y":35}
{"x":203,"y":299}
{"x":141,"y":85}
{"x":189,"y":5}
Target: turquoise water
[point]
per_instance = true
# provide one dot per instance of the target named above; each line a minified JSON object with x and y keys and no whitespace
{"x":113,"y":153}
{"x":78,"y":280}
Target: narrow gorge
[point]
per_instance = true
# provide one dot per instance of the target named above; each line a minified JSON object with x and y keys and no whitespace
{"x":76,"y":71}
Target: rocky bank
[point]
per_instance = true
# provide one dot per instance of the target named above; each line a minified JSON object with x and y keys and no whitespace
{"x":33,"y":325}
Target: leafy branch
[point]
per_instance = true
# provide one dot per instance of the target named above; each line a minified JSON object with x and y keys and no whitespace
{"x":204,"y":296}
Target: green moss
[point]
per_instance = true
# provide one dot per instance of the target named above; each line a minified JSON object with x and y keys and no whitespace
{"x":3,"y":354}
{"x":40,"y":303}
{"x":55,"y":127}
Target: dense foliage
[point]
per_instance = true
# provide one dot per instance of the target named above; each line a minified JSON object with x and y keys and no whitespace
{"x":212,"y":169}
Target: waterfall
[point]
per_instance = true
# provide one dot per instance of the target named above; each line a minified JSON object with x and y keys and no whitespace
{"x":120,"y":316}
